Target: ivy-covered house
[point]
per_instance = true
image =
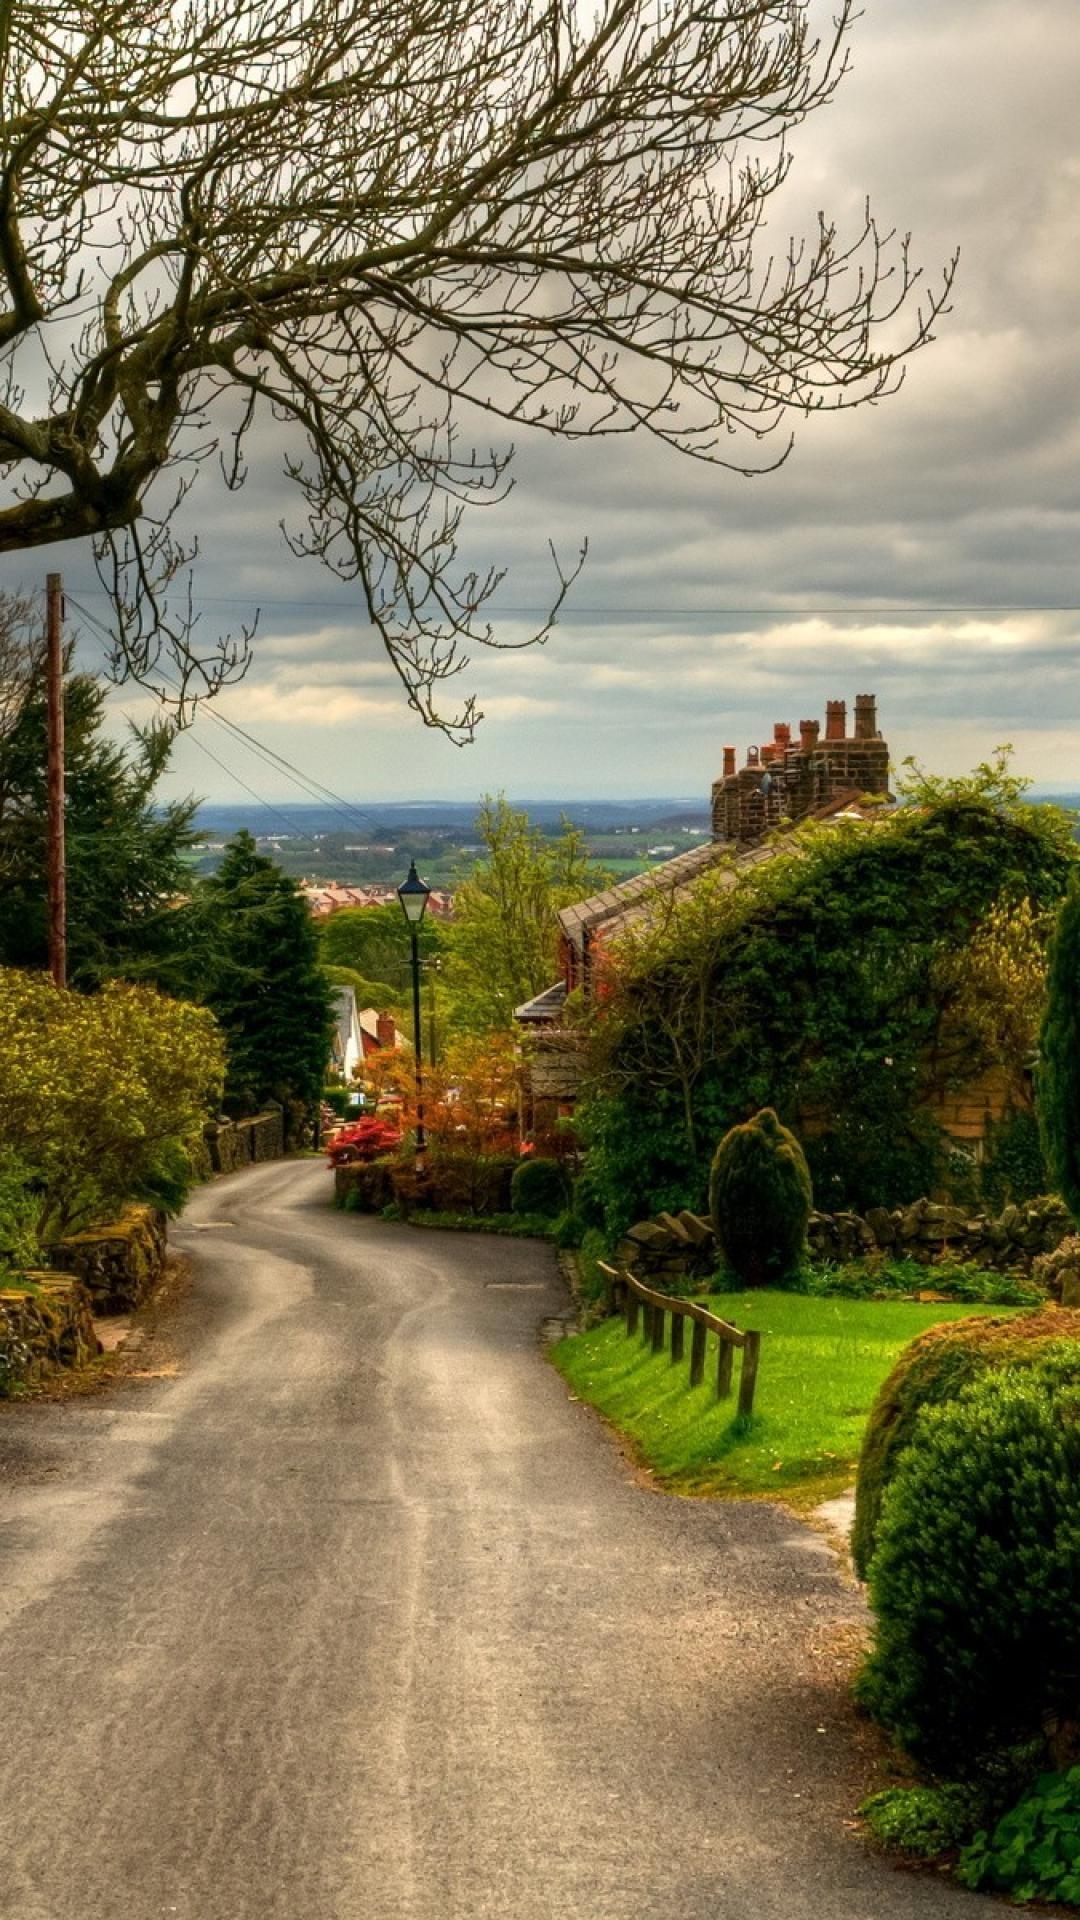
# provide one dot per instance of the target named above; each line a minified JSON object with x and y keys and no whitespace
{"x":865,"y":968}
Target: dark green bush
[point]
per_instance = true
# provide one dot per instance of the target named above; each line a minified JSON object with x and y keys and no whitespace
{"x":1058,"y":1082}
{"x":338,"y":1099}
{"x":922,"y":1821}
{"x":1014,"y":1167}
{"x":539,"y":1186}
{"x":760,"y":1199}
{"x":975,"y":1579}
{"x":1034,"y":1851}
{"x":934,"y":1369}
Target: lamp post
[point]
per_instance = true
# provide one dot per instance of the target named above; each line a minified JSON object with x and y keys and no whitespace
{"x":413,"y":895}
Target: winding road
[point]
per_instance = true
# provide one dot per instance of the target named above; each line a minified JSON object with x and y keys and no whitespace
{"x":361,"y":1617}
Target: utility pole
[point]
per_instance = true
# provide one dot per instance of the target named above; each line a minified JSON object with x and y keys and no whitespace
{"x":54,"y":666}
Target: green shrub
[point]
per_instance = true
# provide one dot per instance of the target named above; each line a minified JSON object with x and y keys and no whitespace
{"x":1014,"y":1168}
{"x":338,"y":1099}
{"x":568,"y":1230}
{"x":878,"y":1277}
{"x":932,"y":1370}
{"x":921,"y":1821}
{"x":1034,"y":1851}
{"x":20,"y":1205}
{"x":539,"y":1186}
{"x":760,"y":1199}
{"x":1058,"y":1082}
{"x":975,"y":1579}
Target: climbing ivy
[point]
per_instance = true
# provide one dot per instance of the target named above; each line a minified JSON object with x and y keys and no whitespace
{"x":823,"y":981}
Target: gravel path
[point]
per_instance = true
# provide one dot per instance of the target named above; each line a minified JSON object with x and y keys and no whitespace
{"x":360,"y":1617}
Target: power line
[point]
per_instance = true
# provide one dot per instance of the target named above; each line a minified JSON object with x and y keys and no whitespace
{"x":700,"y":613}
{"x":314,"y":788}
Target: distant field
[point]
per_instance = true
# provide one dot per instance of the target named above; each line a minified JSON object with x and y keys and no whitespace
{"x":822,"y":1362}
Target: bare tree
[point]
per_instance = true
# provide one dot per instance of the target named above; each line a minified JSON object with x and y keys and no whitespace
{"x":22,"y":658}
{"x":358,"y":215}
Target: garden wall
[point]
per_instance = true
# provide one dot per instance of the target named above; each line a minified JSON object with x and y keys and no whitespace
{"x":674,"y":1249}
{"x":118,"y":1264}
{"x":232,"y":1144}
{"x":44,"y":1332}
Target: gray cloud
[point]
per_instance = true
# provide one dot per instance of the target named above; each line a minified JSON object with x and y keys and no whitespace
{"x":959,"y":121}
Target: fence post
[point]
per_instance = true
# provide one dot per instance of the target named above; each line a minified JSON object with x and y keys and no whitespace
{"x":724,"y":1360}
{"x":633,"y":1308}
{"x":748,"y":1372}
{"x":678,"y":1331}
{"x":658,"y":1330}
{"x":697,"y":1354}
{"x":646,"y":1321}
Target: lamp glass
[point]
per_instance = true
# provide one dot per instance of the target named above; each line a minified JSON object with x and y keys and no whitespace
{"x":413,"y":894}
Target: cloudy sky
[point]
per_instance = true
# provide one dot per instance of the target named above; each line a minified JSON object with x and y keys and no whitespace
{"x":883,"y":557}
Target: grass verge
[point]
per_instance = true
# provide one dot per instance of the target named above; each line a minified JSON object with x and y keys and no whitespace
{"x":822,"y":1362}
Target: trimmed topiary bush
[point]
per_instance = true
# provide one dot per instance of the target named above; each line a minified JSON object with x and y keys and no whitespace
{"x":760,"y":1199}
{"x":975,"y":1580}
{"x":540,"y":1186}
{"x":934,"y":1369}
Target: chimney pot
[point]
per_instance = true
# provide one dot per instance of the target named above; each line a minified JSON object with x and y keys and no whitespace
{"x":782,"y":734}
{"x":729,"y":762}
{"x":836,"y":720}
{"x":808,"y":734}
{"x":386,"y":1030}
{"x":865,"y":716}
{"x":753,"y":758}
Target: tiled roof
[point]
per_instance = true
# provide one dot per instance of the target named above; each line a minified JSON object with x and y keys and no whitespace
{"x":543,"y":1006}
{"x":630,"y":899}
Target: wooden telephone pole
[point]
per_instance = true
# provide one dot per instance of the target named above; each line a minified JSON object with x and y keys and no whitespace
{"x":54,"y":664}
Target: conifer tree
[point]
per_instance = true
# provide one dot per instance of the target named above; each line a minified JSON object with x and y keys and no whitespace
{"x":263,"y":980}
{"x":1058,"y":1083}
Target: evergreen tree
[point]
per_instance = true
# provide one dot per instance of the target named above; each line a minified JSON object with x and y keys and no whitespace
{"x":1058,"y":1083}
{"x":256,"y":955}
{"x":126,"y":864}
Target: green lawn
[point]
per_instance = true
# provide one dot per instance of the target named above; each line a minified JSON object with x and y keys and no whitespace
{"x":822,"y":1361}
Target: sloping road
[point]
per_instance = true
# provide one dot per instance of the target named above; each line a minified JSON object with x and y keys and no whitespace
{"x":361,"y":1618}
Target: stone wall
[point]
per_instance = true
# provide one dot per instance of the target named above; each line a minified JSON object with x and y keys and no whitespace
{"x":119,"y":1264}
{"x":673,"y":1251}
{"x":43,"y":1332}
{"x":232,"y":1144}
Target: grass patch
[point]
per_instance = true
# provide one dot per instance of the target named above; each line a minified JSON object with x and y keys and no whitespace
{"x":822,"y":1362}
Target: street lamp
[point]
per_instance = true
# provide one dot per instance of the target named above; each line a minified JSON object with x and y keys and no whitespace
{"x":413,"y":895}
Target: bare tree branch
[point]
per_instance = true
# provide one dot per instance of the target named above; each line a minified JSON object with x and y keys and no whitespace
{"x":361,"y":217}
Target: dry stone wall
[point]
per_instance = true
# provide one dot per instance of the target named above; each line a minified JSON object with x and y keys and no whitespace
{"x":44,"y":1332}
{"x":119,"y":1264}
{"x":673,"y":1251}
{"x":232,"y":1144}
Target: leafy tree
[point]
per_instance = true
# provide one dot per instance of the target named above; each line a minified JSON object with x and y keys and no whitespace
{"x":103,"y":1094}
{"x":361,"y":223}
{"x":1059,"y":1056}
{"x":126,"y":850}
{"x":369,"y":993}
{"x":375,"y":943}
{"x":505,"y":941}
{"x":258,"y":954}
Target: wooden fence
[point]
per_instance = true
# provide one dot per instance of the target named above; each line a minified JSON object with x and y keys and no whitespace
{"x":642,"y":1306}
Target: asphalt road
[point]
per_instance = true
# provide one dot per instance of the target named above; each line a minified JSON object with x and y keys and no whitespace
{"x":360,"y":1617}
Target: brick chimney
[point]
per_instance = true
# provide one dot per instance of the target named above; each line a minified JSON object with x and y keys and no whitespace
{"x":808,"y":734}
{"x":781,"y":734}
{"x":729,"y":762}
{"x":836,"y":720}
{"x":865,"y":716}
{"x":386,"y":1030}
